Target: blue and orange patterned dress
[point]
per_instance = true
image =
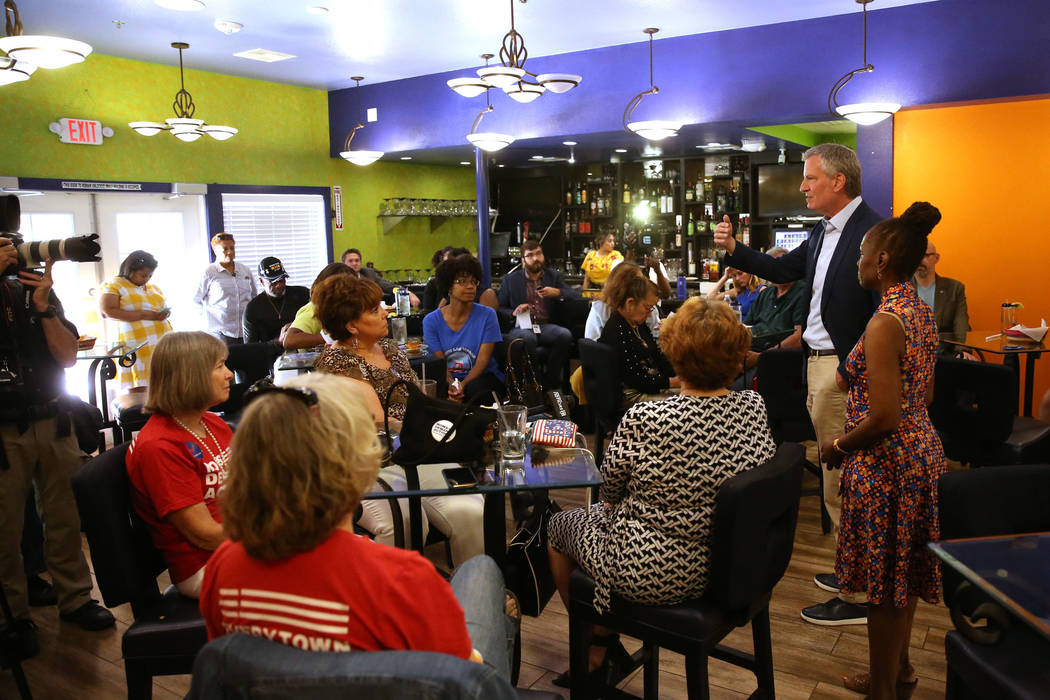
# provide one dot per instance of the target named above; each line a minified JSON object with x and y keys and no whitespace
{"x":889,"y":490}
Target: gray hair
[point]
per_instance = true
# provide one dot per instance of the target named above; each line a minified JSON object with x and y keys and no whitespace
{"x":836,"y":158}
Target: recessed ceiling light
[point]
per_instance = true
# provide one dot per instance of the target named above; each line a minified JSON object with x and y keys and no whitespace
{"x":180,"y":5}
{"x":264,"y":55}
{"x":228,"y":27}
{"x":501,"y":165}
{"x":621,"y":150}
{"x":464,"y":162}
{"x":406,"y":157}
{"x":568,"y":143}
{"x":317,"y":10}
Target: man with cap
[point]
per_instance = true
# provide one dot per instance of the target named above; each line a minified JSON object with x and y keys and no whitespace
{"x":225,"y":289}
{"x":268,"y":315}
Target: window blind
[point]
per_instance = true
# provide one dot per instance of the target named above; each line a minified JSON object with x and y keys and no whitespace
{"x":289,"y":227}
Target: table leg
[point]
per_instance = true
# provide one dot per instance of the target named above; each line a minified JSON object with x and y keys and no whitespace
{"x":1029,"y":380}
{"x":415,"y":510}
{"x":1013,"y":362}
{"x":495,"y":524}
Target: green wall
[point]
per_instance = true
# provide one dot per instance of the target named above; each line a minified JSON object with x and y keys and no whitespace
{"x":283,"y":140}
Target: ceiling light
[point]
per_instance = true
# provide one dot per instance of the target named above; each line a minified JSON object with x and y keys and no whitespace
{"x":36,"y":50}
{"x":654,"y":129}
{"x":464,"y":162}
{"x":406,"y":157}
{"x":228,"y":27}
{"x":752,"y":144}
{"x":863,"y":113}
{"x":264,"y":55}
{"x":510,"y":75}
{"x":317,"y":10}
{"x":568,"y":143}
{"x":621,"y":150}
{"x":183,"y":125}
{"x":12,"y":71}
{"x":488,"y":141}
{"x":358,"y":157}
{"x":180,"y":5}
{"x":558,"y":82}
{"x":501,"y":165}
{"x":524,"y":92}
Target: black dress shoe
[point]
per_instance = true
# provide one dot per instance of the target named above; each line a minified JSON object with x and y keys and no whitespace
{"x":836,"y":612}
{"x":19,"y":639}
{"x":614,"y":667}
{"x":90,"y":616}
{"x":829,"y":582}
{"x":41,"y":593}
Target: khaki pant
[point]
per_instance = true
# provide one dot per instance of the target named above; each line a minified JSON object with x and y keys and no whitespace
{"x":826,"y":404}
{"x":38,"y":457}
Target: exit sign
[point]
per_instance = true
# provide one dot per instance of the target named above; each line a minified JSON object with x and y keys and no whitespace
{"x":80,"y":131}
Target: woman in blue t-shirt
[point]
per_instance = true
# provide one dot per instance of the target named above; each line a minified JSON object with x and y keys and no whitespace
{"x":463,"y":332}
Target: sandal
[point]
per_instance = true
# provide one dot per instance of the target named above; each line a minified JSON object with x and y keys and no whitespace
{"x":861,"y":682}
{"x":616,"y":665}
{"x":512,"y":608}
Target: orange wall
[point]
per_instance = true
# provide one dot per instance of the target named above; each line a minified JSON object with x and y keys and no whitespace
{"x":987,"y":168}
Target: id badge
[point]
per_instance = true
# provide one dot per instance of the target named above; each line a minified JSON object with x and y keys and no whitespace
{"x":536,"y":328}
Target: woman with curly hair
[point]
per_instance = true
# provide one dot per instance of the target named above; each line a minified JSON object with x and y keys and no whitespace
{"x":647,"y":538}
{"x":295,"y":572}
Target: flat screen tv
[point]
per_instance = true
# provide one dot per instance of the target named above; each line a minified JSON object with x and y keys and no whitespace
{"x":778,"y":194}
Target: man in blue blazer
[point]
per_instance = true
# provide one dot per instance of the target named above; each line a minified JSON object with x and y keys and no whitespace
{"x":839,"y":310}
{"x":536,"y":288}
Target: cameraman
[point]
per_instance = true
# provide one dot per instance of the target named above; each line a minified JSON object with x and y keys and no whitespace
{"x":39,"y":447}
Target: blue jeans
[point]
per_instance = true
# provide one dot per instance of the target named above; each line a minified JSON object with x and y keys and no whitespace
{"x":478,"y":586}
{"x":557,"y":339}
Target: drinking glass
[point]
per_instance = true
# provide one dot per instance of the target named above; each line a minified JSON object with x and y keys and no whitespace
{"x":429,"y":387}
{"x":512,"y":431}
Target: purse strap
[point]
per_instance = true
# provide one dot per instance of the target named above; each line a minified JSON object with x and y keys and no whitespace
{"x":528,"y":374}
{"x":414,"y":391}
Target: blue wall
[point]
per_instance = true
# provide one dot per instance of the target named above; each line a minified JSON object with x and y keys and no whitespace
{"x":945,"y":51}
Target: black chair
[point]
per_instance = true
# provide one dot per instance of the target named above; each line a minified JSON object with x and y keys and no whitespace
{"x":752,"y":537}
{"x":1005,"y":500}
{"x":975,"y":412}
{"x":243,"y":667}
{"x":8,"y":651}
{"x":601,"y":384}
{"x":168,"y":630}
{"x":780,"y":382}
{"x":249,"y":363}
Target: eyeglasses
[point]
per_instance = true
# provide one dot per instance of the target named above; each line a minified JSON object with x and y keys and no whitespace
{"x":266,"y":386}
{"x":466,"y":282}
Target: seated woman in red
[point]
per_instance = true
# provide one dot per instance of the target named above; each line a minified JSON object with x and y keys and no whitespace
{"x":177,"y":463}
{"x":295,"y":572}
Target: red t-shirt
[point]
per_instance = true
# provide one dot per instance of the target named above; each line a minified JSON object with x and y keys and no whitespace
{"x":347,"y":594}
{"x":169,"y":470}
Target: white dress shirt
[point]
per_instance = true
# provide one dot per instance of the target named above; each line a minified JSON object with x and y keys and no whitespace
{"x":815,"y":335}
{"x":224,"y":297}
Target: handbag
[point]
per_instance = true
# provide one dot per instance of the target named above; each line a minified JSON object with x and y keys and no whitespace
{"x":437,"y":430}
{"x":528,"y":568}
{"x":522,"y":385}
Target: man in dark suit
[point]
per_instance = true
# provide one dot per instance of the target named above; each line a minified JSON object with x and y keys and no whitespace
{"x":535,"y":288}
{"x":839,"y":309}
{"x":947,"y":298}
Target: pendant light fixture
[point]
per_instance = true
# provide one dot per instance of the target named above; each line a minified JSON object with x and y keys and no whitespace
{"x":184,"y":126}
{"x":358,"y":157}
{"x":511,"y":75}
{"x":863,"y":113}
{"x":34,"y":51}
{"x":653,"y":129}
{"x":488,"y":141}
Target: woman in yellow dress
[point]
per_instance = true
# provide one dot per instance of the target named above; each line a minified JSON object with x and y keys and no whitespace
{"x":599,"y":263}
{"x":140,"y":309}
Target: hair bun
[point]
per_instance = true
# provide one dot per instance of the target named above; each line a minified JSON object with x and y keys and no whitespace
{"x":921,"y":217}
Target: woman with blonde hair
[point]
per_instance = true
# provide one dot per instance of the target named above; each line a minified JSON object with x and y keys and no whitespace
{"x":745,"y":288}
{"x":647,"y":540}
{"x":294,"y":572}
{"x":177,"y":463}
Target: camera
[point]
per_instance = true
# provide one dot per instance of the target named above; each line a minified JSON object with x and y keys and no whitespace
{"x":37,"y":253}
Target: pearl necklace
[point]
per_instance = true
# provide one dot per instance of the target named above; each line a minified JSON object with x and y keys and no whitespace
{"x":201,"y":440}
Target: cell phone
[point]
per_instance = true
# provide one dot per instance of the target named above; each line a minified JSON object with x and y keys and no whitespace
{"x":459,"y":478}
{"x":164,"y":310}
{"x":1013,"y":347}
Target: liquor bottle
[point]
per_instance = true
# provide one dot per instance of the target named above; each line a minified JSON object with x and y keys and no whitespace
{"x":699,"y":190}
{"x":579,"y":195}
{"x":600,"y":204}
{"x":691,"y":265}
{"x":745,"y":229}
{"x":568,"y":194}
{"x":689,"y":192}
{"x":584,"y":194}
{"x":626,"y":193}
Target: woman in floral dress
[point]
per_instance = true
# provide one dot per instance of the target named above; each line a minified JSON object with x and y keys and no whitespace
{"x":890,"y":454}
